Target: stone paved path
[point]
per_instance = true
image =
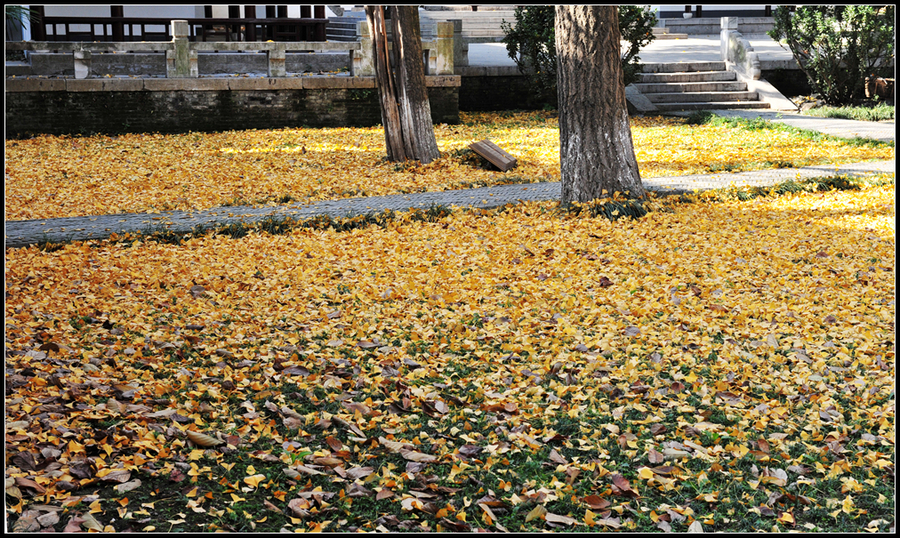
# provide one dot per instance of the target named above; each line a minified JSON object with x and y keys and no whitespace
{"x":29,"y":232}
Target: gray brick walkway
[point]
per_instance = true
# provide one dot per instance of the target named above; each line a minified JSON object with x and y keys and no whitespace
{"x":29,"y":232}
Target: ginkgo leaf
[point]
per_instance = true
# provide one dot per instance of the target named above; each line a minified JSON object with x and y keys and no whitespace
{"x":537,"y":512}
{"x":202,"y":439}
{"x":254,"y":480}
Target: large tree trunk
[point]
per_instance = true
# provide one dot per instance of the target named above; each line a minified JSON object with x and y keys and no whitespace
{"x":400,"y":77}
{"x":596,"y":152}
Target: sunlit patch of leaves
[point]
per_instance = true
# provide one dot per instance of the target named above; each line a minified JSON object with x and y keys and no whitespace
{"x":50,"y":176}
{"x":720,"y":365}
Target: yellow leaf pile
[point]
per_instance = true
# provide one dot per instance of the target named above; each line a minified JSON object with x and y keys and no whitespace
{"x":59,"y":176}
{"x":688,"y":370}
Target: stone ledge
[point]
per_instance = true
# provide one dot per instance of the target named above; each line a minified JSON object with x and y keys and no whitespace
{"x":488,"y":71}
{"x":209,"y":84}
{"x":442,"y":81}
{"x":104,"y":85}
{"x":326,"y":82}
{"x":176,"y":84}
{"x":35,"y":85}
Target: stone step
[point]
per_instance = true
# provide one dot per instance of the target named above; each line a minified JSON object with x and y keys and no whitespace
{"x":664,"y":33}
{"x":695,"y":97}
{"x":18,"y":68}
{"x":697,"y":76}
{"x":711,"y":105}
{"x":682,"y":87}
{"x":683,"y":67}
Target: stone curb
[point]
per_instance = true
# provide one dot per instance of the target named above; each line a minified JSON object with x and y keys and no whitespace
{"x":29,"y":232}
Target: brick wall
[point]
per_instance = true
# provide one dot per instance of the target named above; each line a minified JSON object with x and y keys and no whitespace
{"x":505,"y":92}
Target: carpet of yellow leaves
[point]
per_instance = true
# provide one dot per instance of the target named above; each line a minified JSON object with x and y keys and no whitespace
{"x":699,"y":335}
{"x":50,"y":176}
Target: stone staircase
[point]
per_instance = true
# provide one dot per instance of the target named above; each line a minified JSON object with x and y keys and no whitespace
{"x":482,"y":26}
{"x":695,"y":86}
{"x":664,"y":33}
{"x":344,"y":28}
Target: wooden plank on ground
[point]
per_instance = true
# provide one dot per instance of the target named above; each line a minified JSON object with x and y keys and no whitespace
{"x":494,"y":155}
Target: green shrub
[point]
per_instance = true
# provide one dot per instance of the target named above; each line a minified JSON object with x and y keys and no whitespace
{"x":837,"y":46}
{"x":531,"y":43}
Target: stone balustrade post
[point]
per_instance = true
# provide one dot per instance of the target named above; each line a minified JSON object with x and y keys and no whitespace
{"x":181,"y":60}
{"x":82,"y":60}
{"x":736,"y":50}
{"x":277,"y":61}
{"x":445,"y":57}
{"x":460,"y":45}
{"x":727,"y":25}
{"x":363,"y":61}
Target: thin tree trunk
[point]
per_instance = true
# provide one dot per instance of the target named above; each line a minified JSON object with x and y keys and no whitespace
{"x":400,"y":76}
{"x":390,"y":111}
{"x":596,"y":151}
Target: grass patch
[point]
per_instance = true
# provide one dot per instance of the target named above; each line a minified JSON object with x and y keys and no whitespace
{"x":704,"y":117}
{"x":879,"y":112}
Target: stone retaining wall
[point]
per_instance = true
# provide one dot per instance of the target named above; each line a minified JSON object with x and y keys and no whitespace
{"x":113,"y":106}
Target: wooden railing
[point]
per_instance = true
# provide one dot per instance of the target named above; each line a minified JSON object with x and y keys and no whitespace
{"x":120,"y":29}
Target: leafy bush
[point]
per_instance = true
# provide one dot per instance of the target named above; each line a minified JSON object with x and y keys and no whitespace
{"x":531,"y":43}
{"x":837,"y":46}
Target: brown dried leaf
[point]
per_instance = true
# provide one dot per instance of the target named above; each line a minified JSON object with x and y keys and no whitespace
{"x":555,"y":518}
{"x":419,"y":457}
{"x":201,"y":439}
{"x":596,"y":502}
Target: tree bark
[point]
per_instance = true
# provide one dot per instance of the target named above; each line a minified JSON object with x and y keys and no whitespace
{"x":596,"y":150}
{"x":400,"y":78}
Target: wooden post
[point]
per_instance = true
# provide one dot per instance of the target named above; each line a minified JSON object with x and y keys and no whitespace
{"x":118,"y":28}
{"x":233,"y":30}
{"x":319,"y":32}
{"x":271,"y":12}
{"x":39,"y":29}
{"x":250,"y":15}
